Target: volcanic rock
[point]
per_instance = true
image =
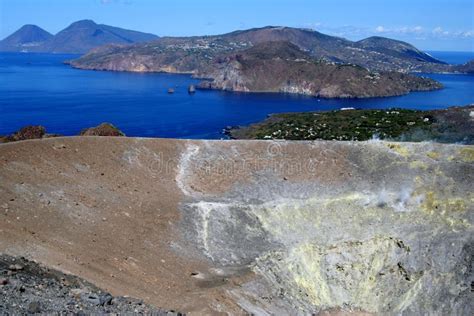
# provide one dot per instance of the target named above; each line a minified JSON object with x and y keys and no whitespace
{"x":27,"y":132}
{"x":104,"y":129}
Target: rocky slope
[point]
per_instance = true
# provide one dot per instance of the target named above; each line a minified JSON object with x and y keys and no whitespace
{"x":77,"y":38}
{"x":192,"y":54}
{"x":28,"y":288}
{"x":248,"y":226}
{"x":283,"y":67}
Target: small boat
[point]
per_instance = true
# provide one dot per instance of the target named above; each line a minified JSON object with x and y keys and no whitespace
{"x":170,"y":91}
{"x":191,"y":89}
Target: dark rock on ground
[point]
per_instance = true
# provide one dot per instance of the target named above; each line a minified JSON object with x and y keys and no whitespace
{"x":104,"y":129}
{"x":33,"y":289}
{"x":34,"y":307}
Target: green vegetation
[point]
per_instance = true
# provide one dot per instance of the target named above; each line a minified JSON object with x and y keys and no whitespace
{"x":452,"y":125}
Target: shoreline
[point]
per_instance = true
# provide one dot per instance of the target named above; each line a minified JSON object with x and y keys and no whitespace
{"x":425,"y":123}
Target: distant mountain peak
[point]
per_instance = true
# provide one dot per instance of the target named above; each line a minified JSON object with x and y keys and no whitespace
{"x":375,"y":37}
{"x":275,"y":27}
{"x":31,"y":26}
{"x":79,"y":37}
{"x":27,"y":37}
{"x":27,"y":28}
{"x":85,"y":22}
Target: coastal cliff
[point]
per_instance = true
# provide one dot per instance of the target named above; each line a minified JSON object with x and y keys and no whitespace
{"x":283,"y":67}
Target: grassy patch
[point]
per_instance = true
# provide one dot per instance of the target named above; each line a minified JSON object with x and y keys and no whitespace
{"x":452,"y":125}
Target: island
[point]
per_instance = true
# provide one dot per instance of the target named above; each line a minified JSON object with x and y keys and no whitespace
{"x":278,"y":59}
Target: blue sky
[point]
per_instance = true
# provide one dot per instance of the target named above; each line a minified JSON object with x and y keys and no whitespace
{"x":428,"y":24}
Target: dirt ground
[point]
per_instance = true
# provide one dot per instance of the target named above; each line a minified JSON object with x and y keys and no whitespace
{"x":110,"y":210}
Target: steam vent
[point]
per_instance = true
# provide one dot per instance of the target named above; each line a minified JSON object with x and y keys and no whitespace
{"x":259,"y":227}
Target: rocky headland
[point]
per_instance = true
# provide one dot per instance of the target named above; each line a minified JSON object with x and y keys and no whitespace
{"x":282,"y":67}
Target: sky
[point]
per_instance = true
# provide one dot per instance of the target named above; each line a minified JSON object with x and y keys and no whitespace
{"x":444,"y":25}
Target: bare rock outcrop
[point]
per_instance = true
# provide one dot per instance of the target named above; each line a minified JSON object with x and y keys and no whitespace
{"x":104,"y":129}
{"x":25,"y":133}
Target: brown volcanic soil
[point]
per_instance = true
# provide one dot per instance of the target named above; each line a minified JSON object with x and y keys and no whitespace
{"x":94,"y":213}
{"x":206,"y":227}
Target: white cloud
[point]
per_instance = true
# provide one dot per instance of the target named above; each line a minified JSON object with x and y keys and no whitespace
{"x":420,"y":32}
{"x":379,"y":29}
{"x":400,"y":30}
{"x":440,"y":32}
{"x":407,"y":32}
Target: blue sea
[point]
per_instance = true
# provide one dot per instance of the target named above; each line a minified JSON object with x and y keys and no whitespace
{"x":39,"y":89}
{"x":453,"y":58}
